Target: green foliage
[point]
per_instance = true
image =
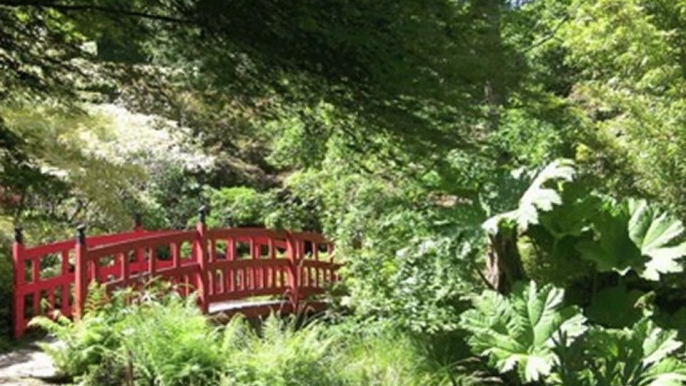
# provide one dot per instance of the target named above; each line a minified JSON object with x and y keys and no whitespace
{"x":615,"y":307}
{"x":406,"y":259}
{"x":392,"y":128}
{"x":170,"y":343}
{"x":238,"y":206}
{"x":612,"y":248}
{"x":533,"y":332}
{"x":84,"y":345}
{"x":563,"y":222}
{"x":519,"y":332}
{"x":164,"y":340}
{"x":657,"y":235}
{"x":538,"y":198}
{"x":641,"y":355}
{"x":635,"y":235}
{"x":280,"y":355}
{"x":71,"y":183}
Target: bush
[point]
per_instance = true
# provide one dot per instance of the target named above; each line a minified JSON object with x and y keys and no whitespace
{"x":5,"y":296}
{"x":164,"y":339}
{"x":238,"y":206}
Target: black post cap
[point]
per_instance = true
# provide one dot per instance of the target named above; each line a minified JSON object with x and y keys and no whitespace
{"x":202,"y":214}
{"x":81,"y":234}
{"x":18,"y":234}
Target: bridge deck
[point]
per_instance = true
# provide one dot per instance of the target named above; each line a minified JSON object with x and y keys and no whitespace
{"x":263,"y":307}
{"x":233,"y":306}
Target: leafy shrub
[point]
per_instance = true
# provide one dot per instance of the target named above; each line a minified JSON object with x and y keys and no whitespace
{"x":519,"y":332}
{"x":429,"y":285}
{"x":532,"y":332}
{"x":6,"y":278}
{"x":641,"y":355}
{"x":633,"y":234}
{"x":164,"y":338}
{"x":243,"y":206}
{"x":236,"y":207}
{"x":389,"y":357}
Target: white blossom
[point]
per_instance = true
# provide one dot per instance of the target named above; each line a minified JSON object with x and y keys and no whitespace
{"x":147,"y":141}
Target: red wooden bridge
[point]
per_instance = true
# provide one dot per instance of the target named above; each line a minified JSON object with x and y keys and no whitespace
{"x":252,"y":271}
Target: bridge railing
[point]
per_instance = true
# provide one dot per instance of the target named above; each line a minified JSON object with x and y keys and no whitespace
{"x":219,"y":264}
{"x":43,"y":278}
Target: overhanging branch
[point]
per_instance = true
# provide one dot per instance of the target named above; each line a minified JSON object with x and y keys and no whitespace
{"x":65,"y":8}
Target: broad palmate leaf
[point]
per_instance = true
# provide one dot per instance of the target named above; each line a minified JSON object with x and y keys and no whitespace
{"x":519,"y":331}
{"x":611,"y":247}
{"x":538,"y":197}
{"x":635,"y":235}
{"x":657,"y":235}
{"x":643,"y":355}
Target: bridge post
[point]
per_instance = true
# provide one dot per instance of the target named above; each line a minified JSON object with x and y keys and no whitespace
{"x":201,"y":256}
{"x":18,"y":280}
{"x":80,"y":272}
{"x":293,"y":276}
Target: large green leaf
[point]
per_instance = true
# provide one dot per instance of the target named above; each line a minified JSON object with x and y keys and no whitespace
{"x":657,"y":235}
{"x":643,"y":355}
{"x":635,"y":235}
{"x":539,"y":197}
{"x":611,"y":248}
{"x":615,"y":307}
{"x":519,"y":331}
{"x":571,"y":217}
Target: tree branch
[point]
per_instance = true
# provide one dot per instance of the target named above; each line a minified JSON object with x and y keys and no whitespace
{"x":554,"y":31}
{"x":94,"y":8}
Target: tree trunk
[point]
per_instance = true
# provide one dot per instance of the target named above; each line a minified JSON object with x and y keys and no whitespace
{"x":489,"y":13}
{"x":503,"y":261}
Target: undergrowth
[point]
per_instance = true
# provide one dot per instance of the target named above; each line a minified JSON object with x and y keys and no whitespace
{"x":166,"y":341}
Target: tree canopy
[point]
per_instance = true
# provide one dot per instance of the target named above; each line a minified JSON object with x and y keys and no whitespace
{"x":449,"y":147}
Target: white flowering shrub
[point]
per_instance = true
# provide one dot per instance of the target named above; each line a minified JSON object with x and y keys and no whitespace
{"x":143,"y":140}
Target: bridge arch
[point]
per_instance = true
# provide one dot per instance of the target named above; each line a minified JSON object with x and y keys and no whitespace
{"x":225,"y":267}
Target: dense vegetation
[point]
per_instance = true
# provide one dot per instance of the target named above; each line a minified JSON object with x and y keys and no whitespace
{"x":471,"y":159}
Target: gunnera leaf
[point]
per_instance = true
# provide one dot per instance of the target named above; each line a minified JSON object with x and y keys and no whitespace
{"x":540,"y":196}
{"x":615,"y":307}
{"x":518,"y":332}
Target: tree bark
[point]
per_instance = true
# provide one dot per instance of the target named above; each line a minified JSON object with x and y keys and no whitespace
{"x":489,"y":13}
{"x":503,"y":262}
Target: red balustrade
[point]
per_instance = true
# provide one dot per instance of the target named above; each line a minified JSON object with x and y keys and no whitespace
{"x":221,"y":265}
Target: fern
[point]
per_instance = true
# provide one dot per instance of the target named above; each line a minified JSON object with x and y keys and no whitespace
{"x":170,"y":344}
{"x":82,"y":344}
{"x":518,"y":332}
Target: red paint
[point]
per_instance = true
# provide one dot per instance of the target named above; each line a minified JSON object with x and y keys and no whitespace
{"x":275,"y":264}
